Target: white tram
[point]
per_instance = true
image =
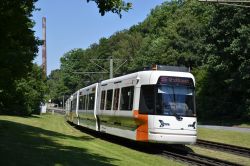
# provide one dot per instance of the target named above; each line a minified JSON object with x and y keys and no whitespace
{"x":155,"y":105}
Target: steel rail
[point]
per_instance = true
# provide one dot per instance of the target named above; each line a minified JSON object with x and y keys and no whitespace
{"x":197,"y":159}
{"x":179,"y":153}
{"x":241,"y":151}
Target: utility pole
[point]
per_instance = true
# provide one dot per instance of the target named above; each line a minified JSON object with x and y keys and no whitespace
{"x":63,"y":102}
{"x":111,"y":67}
{"x":111,"y":71}
{"x":44,"y":51}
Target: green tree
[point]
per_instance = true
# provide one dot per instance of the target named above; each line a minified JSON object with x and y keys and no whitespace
{"x":173,"y":34}
{"x":57,"y":89}
{"x":212,"y":40}
{"x":115,"y":6}
{"x":18,"y":47}
{"x":28,"y":93}
{"x":225,"y":91}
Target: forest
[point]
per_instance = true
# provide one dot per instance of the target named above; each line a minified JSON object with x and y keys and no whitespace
{"x":23,"y":87}
{"x":213,"y":40}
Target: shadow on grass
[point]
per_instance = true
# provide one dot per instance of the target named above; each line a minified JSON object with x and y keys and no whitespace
{"x":146,"y":147}
{"x":26,"y":145}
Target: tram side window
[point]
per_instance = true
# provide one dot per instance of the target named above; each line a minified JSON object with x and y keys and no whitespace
{"x":84,"y":102}
{"x":71,"y":106}
{"x":116,"y":99}
{"x":74,"y":104}
{"x":81,"y":101}
{"x":87,"y":102}
{"x":91,"y":101}
{"x":103,"y":100}
{"x":147,"y":99}
{"x":109,"y":99}
{"x":127,"y":97}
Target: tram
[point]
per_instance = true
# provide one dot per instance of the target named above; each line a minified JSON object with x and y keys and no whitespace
{"x":155,"y":105}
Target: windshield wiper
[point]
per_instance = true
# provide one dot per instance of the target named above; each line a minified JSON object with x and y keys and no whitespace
{"x":178,"y":117}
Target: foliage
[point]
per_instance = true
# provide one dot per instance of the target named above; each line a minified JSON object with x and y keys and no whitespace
{"x":212,"y":40}
{"x":115,"y":6}
{"x":30,"y":93}
{"x":55,"y":83}
{"x":18,"y":47}
{"x":227,"y":64}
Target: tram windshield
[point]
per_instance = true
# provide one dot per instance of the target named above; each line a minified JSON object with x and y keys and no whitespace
{"x":174,"y":100}
{"x":170,"y":99}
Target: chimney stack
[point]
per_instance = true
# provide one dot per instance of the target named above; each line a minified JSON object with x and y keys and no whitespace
{"x":44,"y":52}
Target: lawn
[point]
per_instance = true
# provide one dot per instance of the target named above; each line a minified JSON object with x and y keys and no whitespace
{"x":48,"y":140}
{"x":244,"y":125}
{"x":223,"y":136}
{"x":222,"y":155}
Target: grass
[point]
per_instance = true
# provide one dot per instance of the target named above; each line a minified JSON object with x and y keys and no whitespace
{"x":49,"y":140}
{"x":228,"y":137}
{"x":222,"y":155}
{"x":244,"y":125}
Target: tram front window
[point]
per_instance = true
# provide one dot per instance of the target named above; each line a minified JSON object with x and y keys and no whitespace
{"x":175,"y":100}
{"x":169,"y":100}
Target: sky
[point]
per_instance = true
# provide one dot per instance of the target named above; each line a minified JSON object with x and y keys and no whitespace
{"x":78,"y":24}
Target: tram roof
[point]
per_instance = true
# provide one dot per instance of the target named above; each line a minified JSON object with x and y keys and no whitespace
{"x":147,"y":75}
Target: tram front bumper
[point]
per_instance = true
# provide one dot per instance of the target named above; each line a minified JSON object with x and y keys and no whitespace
{"x":172,"y":138}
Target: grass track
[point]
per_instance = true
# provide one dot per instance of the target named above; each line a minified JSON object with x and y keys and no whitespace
{"x":49,"y":140}
{"x":223,"y":136}
{"x":222,"y":155}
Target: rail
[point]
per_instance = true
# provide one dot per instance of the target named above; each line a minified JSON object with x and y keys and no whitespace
{"x":242,"y":151}
{"x":180,"y":153}
{"x":197,"y":159}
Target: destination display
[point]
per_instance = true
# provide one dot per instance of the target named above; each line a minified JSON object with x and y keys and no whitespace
{"x":175,"y":81}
